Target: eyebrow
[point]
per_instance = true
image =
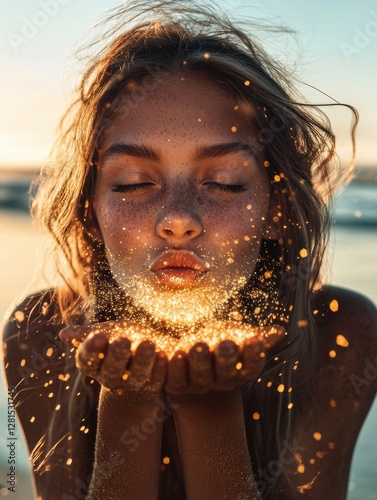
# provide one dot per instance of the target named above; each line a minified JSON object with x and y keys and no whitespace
{"x":202,"y":152}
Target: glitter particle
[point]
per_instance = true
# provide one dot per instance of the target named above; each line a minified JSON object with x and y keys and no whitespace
{"x":317,"y":436}
{"x":334,"y":306}
{"x":342,"y":341}
{"x":256,"y":416}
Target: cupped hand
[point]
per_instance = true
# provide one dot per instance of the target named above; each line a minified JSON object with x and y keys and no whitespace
{"x":202,"y":370}
{"x":105,"y":355}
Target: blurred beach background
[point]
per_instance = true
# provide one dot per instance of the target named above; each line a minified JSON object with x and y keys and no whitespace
{"x":334,"y":50}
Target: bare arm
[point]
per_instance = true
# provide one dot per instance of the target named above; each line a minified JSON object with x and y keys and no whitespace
{"x":209,"y":418}
{"x":213,"y":448}
{"x":130,"y":413}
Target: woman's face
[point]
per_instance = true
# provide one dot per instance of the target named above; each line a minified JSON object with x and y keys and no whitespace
{"x":181,"y":199}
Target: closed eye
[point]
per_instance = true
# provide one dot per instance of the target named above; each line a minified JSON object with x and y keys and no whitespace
{"x":233,"y":188}
{"x":129,"y":188}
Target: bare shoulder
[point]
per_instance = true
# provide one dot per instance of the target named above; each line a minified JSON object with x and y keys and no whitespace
{"x":33,"y":354}
{"x":344,"y":386}
{"x":51,"y":398}
{"x":347,"y":332}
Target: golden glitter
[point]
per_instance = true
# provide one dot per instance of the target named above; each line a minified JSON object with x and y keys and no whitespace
{"x":277,"y":178}
{"x":303,"y":253}
{"x":331,"y":445}
{"x":166,"y":460}
{"x":82,"y":428}
{"x":248,"y":206}
{"x":332,"y":354}
{"x":317,"y":436}
{"x":199,"y":119}
{"x":256,"y":416}
{"x":57,"y":407}
{"x":334,"y":306}
{"x":107,"y":105}
{"x":51,"y":395}
{"x":101,"y":355}
{"x":63,"y":377}
{"x":206,"y":55}
{"x":239,"y":365}
{"x":290,"y":406}
{"x":49,"y":352}
{"x":315,"y":311}
{"x":19,"y":315}
{"x":280,"y":388}
{"x":236,"y":108}
{"x":125,"y":376}
{"x":301,"y":468}
{"x":332,"y":403}
{"x":230,"y":260}
{"x":320,"y":454}
{"x":233,"y":129}
{"x":247,"y":83}
{"x":32,"y":419}
{"x":23,"y":362}
{"x":269,"y":384}
{"x":342,"y":341}
{"x":312,"y":461}
{"x":268,"y":274}
{"x":257,"y":310}
{"x":290,"y":389}
{"x":69,"y":461}
{"x":266,"y":163}
{"x":86,"y":431}
{"x":246,"y":238}
{"x":262,"y":355}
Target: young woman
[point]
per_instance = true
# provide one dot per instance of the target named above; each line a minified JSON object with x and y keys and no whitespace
{"x":191,"y":351}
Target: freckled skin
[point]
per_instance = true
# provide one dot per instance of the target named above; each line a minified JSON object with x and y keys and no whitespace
{"x":180,"y":208}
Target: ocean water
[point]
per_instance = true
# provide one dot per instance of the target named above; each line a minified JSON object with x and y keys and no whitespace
{"x":352,"y":261}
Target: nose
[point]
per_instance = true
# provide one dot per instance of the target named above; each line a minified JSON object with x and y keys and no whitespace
{"x":178,"y":226}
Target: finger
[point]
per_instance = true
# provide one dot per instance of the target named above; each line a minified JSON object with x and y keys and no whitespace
{"x":113,"y":368}
{"x":90,"y":354}
{"x":201,"y":366}
{"x":142,"y":364}
{"x":227,"y":357}
{"x":159,"y":371}
{"x":252,"y":358}
{"x":177,"y":377}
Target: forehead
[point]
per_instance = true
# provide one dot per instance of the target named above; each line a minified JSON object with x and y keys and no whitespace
{"x":180,"y":107}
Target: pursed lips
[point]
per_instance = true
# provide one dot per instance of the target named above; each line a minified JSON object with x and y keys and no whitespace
{"x":178,"y":268}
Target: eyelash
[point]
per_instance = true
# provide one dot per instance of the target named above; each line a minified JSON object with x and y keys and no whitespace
{"x":233,"y":188}
{"x":130,"y":188}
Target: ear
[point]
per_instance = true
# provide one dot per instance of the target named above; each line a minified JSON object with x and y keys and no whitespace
{"x":271,"y":230}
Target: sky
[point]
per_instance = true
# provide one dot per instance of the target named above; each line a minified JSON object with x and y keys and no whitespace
{"x":334,"y":50}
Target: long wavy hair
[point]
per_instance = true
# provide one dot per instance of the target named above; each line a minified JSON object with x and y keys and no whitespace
{"x":147,"y":42}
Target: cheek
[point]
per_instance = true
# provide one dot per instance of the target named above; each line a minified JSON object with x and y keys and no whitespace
{"x":123,"y":226}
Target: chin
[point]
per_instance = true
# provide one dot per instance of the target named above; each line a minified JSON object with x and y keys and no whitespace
{"x":182,"y":308}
